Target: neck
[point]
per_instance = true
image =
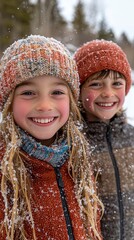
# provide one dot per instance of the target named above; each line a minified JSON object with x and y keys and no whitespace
{"x":56,"y":154}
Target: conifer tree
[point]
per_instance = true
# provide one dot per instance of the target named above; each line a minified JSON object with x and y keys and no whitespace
{"x":104,"y":32}
{"x":81,"y":30}
{"x":15,"y":20}
{"x":48,"y":19}
{"x":79,"y":22}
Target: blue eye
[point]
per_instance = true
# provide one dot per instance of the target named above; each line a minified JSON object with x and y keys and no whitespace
{"x":58,"y":92}
{"x":28,"y":93}
{"x":118,"y":84}
{"x":94,"y":85}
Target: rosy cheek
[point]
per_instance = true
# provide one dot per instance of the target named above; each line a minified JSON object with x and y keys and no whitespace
{"x":21,"y":110}
{"x":121,"y":96}
{"x":64,"y":108}
{"x":89,"y":100}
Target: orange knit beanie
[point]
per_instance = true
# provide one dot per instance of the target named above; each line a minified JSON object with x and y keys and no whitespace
{"x":36,"y":56}
{"x":98,"y":55}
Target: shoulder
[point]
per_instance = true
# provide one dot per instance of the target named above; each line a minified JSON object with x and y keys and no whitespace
{"x":126,"y":136}
{"x":120,"y":125}
{"x":128,"y":129}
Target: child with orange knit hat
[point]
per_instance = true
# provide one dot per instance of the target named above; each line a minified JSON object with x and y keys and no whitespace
{"x":105,"y":80}
{"x":47,"y":188}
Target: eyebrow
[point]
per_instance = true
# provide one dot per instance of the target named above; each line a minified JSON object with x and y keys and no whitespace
{"x":95,"y":79}
{"x":31,"y":83}
{"x":61,"y":83}
{"x":24,"y":83}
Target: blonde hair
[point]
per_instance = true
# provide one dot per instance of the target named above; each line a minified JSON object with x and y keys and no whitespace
{"x":15,"y":177}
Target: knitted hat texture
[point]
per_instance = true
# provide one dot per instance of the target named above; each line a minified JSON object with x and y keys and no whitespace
{"x":98,"y":55}
{"x":36,"y":56}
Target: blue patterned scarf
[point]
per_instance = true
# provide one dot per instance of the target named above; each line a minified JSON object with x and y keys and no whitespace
{"x":56,"y":154}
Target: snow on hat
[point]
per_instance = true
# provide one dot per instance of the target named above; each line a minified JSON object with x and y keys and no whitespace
{"x":35,"y":56}
{"x":98,"y":55}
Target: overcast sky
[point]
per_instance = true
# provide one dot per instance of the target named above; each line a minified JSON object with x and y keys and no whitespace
{"x":118,"y":13}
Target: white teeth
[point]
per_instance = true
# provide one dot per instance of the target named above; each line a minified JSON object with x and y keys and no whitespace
{"x":105,"y":104}
{"x":43,"y":120}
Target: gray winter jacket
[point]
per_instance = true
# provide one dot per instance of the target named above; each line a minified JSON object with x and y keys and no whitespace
{"x":113,"y":157}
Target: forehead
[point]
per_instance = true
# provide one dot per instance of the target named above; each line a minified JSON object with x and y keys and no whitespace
{"x":43,"y":80}
{"x":105,"y":74}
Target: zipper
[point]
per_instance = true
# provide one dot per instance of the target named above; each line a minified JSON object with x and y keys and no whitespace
{"x":64,"y":203}
{"x":118,"y":184}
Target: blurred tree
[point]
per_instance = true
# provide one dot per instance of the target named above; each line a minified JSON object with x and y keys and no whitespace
{"x":79,"y":22}
{"x":47,"y":19}
{"x":55,"y":20}
{"x":15,"y":21}
{"x":81,"y":27}
{"x":124,"y":40}
{"x":92,"y":14}
{"x":128,"y":48}
{"x":104,"y":32}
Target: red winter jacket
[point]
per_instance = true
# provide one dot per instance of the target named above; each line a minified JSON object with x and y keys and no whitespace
{"x":47,"y":206}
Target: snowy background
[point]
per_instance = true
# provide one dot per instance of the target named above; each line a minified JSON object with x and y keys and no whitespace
{"x":129,"y":105}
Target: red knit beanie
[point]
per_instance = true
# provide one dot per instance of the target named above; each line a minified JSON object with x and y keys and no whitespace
{"x":98,"y":55}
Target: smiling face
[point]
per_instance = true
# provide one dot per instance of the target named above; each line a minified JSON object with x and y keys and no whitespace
{"x":102,"y":98}
{"x":41,"y":107}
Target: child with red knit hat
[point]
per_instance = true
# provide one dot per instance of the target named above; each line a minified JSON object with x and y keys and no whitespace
{"x":47,"y":189}
{"x":105,"y":79}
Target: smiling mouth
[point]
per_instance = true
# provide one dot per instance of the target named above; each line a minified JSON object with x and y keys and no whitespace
{"x":106,"y":104}
{"x":43,"y":120}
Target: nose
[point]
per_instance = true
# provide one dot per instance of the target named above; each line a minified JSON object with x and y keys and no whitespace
{"x":44,"y":104}
{"x":107,"y":92}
